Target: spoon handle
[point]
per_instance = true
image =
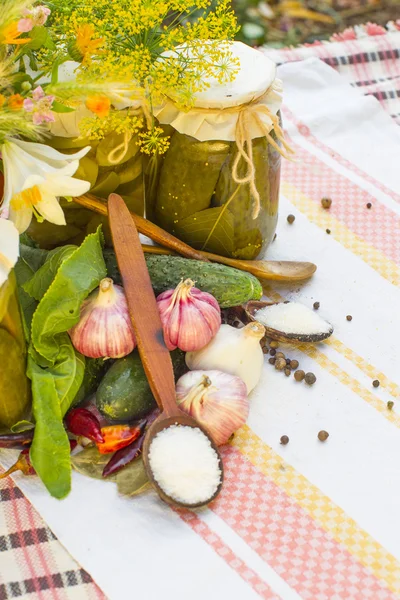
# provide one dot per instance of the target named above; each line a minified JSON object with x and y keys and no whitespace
{"x":142,"y":306}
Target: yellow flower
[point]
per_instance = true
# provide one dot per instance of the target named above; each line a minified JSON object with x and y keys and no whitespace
{"x":100,"y":105}
{"x":15,"y":102}
{"x":10,"y":33}
{"x":84,"y":42}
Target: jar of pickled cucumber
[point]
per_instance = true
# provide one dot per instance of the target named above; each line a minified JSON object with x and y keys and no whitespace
{"x":14,"y":385}
{"x":217,"y":186}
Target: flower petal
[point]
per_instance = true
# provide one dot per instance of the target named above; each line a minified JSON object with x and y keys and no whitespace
{"x":66,"y":186}
{"x":50,"y":155}
{"x":9,"y":248}
{"x":50,"y":209}
{"x":21,"y":217}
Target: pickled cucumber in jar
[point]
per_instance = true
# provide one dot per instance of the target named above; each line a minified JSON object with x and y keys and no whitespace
{"x":189,"y":174}
{"x":14,"y":384}
{"x":251,"y":235}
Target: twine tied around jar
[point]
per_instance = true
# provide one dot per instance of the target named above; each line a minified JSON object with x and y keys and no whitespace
{"x":253,"y":110}
{"x":118,"y":153}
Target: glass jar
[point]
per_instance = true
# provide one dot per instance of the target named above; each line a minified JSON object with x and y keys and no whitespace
{"x":14,"y":384}
{"x":201,"y":190}
{"x":190,"y":192}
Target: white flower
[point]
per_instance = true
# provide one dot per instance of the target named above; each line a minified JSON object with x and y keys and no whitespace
{"x":9,"y":248}
{"x":34,"y":176}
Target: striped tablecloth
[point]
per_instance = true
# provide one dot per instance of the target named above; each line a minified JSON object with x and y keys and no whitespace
{"x":304,"y":521}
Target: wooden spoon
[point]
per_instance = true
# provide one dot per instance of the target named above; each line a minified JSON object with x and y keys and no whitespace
{"x":148,"y":330}
{"x":253,"y":306}
{"x":280,"y":270}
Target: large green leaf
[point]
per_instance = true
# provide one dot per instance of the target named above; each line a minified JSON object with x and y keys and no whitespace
{"x":38,"y":285}
{"x":67,"y":373}
{"x":50,"y":450}
{"x":210,"y":229}
{"x":59,"y":309}
{"x":30,"y":260}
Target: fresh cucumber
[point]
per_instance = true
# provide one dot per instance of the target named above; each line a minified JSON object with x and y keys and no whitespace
{"x":124,"y":393}
{"x":229,"y":286}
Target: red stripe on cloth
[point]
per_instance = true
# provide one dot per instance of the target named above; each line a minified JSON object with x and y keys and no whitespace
{"x":286,"y":537}
{"x":16,"y":527}
{"x":304,"y":130}
{"x":378,"y":226}
{"x":47,"y":562}
{"x":226,"y":553}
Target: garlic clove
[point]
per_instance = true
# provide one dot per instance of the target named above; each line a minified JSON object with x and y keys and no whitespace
{"x":217,"y":400}
{"x":189,"y":316}
{"x":104,"y":329}
{"x":234,"y":351}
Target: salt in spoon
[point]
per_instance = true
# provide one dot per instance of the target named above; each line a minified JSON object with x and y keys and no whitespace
{"x":253,"y":306}
{"x":148,"y":330}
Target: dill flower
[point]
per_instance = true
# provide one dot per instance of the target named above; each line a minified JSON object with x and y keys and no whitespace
{"x":153,"y":141}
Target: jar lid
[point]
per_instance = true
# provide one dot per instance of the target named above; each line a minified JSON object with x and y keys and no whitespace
{"x":255,"y":76}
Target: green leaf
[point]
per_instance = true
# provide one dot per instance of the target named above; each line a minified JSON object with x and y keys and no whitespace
{"x":22,"y":426}
{"x":94,"y":370}
{"x":50,"y":450}
{"x":106,"y":184}
{"x":58,"y":107}
{"x":59,"y":309}
{"x":132,"y":479}
{"x":30,"y":260}
{"x":38,"y":285}
{"x":211,"y":229}
{"x":88,"y":170}
{"x":67,"y":373}
{"x":91,"y":463}
{"x":38,"y":36}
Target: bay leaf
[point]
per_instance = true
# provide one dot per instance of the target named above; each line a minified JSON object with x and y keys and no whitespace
{"x":210,"y":229}
{"x":132,"y":479}
{"x":91,"y":463}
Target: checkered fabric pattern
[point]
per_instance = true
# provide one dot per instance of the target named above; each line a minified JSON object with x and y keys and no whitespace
{"x":369,"y":62}
{"x":33,"y":563}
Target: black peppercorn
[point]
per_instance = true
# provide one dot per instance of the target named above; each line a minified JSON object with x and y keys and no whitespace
{"x":316,"y":305}
{"x":323,"y":436}
{"x":349,"y":318}
{"x":310,"y":378}
{"x":369,"y":205}
{"x":284,"y":440}
{"x":272,"y":351}
{"x":390,"y":405}
{"x":290,"y":219}
{"x":376,"y":383}
{"x":272,"y":360}
{"x":328,"y":231}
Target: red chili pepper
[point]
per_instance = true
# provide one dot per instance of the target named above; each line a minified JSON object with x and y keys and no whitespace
{"x":117,"y":436}
{"x":82,"y":422}
{"x":126,"y":455}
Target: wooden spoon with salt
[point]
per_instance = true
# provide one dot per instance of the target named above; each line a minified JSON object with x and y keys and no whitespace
{"x":148,"y":330}
{"x":253,"y":306}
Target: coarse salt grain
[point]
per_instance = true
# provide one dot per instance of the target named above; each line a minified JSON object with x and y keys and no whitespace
{"x":292,"y":317}
{"x":184,"y":464}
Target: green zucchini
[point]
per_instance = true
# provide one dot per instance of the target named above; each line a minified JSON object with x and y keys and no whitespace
{"x":124,"y":393}
{"x":229,"y":286}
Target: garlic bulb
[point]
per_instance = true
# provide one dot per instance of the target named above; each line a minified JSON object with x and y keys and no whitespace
{"x":218,"y":401}
{"x":190,"y":317}
{"x":104,"y":329}
{"x":234,"y":351}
